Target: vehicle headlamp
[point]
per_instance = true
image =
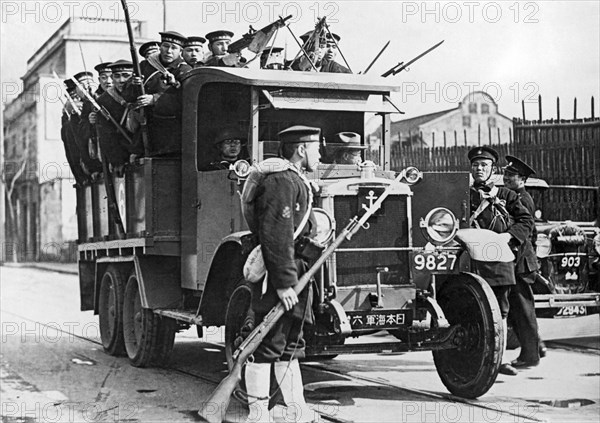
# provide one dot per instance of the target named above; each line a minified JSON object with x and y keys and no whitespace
{"x":325,"y":226}
{"x":543,"y":246}
{"x":597,"y":243}
{"x":411,"y":175}
{"x":439,"y":226}
{"x":241,"y":168}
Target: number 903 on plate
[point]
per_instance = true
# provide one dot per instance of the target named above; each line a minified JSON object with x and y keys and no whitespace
{"x":435,"y":261}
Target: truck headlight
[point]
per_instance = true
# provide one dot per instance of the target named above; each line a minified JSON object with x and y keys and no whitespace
{"x":325,"y":226}
{"x":412,"y":175}
{"x":543,"y":246}
{"x":597,"y":243}
{"x":439,"y":226}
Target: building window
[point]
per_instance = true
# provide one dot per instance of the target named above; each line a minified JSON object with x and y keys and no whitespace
{"x":472,"y":107}
{"x":485,"y":109}
{"x":492,"y":122}
{"x":467,"y":121}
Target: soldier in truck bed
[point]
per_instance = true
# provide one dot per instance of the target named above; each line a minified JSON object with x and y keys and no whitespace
{"x":114,"y":146}
{"x":323,"y":56}
{"x":162,"y":73}
{"x":69,"y":121}
{"x":500,"y":210}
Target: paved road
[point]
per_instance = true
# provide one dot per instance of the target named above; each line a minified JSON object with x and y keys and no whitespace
{"x":52,"y":368}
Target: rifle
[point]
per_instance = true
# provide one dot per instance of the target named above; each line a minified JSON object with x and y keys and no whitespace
{"x":312,"y":44}
{"x":376,"y":57}
{"x":401,"y":66}
{"x":256,"y":40}
{"x":138,"y":72}
{"x":103,"y":111}
{"x":213,"y":410}
{"x":67,"y":96}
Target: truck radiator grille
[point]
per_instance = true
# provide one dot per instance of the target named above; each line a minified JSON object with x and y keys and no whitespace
{"x":388,"y":230}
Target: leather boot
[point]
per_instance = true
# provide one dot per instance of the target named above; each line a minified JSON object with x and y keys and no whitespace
{"x":258,"y":378}
{"x":289,"y":378}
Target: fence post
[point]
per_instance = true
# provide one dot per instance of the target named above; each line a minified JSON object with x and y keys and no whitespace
{"x":540,"y":107}
{"x":479,"y":134}
{"x":593,"y":107}
{"x":575,"y":108}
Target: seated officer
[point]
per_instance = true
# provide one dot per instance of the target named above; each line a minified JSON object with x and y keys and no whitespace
{"x":229,"y":142}
{"x":272,"y":58}
{"x":346,"y":148}
{"x":193,"y":50}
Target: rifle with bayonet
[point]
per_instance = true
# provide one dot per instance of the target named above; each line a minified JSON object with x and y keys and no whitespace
{"x":213,"y":410}
{"x":102,"y":111}
{"x":401,"y":66}
{"x":138,"y":72}
{"x":308,"y":57}
{"x":255,"y":40}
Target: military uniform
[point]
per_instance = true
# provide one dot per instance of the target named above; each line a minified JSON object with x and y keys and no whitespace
{"x":68,"y":134}
{"x":331,"y":66}
{"x":163,"y":117}
{"x":522,"y":304}
{"x":281,"y":204}
{"x":114,"y":146}
{"x":500,"y":276}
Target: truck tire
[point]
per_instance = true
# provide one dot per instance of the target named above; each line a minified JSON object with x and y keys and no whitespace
{"x":148,"y":337}
{"x":110,"y":311}
{"x":470,"y":370}
{"x":239,"y":319}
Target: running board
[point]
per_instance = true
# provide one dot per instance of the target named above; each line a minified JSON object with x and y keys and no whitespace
{"x":565,"y":300}
{"x":181,"y":316}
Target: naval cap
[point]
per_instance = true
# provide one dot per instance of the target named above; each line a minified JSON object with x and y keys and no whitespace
{"x":83,"y":75}
{"x":194,"y":41}
{"x":148,"y":46}
{"x":172,"y":37}
{"x":102,"y":67}
{"x":516,"y":165}
{"x":483,"y":152}
{"x":121,"y":65}
{"x":219,"y":35}
{"x":300,"y":133}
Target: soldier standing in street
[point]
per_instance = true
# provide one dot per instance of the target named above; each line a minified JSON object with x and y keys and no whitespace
{"x":522,"y":304}
{"x":500,"y":210}
{"x":283,"y":206}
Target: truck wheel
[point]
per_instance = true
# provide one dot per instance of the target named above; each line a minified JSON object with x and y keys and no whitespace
{"x":239,"y":320}
{"x":148,"y":337}
{"x":471,"y":369}
{"x":110,"y":311}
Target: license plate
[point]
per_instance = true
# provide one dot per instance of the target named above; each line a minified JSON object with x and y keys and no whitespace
{"x":435,"y":262}
{"x":571,"y":311}
{"x":381,"y":320}
{"x":569,"y":267}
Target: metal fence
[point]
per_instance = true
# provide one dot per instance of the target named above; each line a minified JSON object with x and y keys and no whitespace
{"x":564,"y":152}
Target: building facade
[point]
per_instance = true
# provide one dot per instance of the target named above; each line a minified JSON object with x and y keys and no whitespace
{"x":476,"y":121}
{"x":39,"y":198}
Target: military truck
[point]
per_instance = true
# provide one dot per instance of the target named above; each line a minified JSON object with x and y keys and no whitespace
{"x":178,"y":261}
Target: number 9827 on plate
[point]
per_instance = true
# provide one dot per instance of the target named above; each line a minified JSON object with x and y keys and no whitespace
{"x":435,"y":262}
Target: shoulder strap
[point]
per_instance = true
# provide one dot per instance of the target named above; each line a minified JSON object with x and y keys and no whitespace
{"x":484,"y":203}
{"x":308,"y":209}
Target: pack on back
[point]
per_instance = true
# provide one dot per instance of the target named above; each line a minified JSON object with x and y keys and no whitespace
{"x":251,"y":188}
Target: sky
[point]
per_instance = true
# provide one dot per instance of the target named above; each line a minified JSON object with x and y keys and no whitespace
{"x":512,"y":50}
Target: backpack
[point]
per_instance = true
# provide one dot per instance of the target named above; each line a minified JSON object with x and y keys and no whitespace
{"x":257,"y":174}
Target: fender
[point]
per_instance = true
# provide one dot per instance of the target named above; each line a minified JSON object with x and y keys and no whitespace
{"x":484,"y":245}
{"x":224,"y":274}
